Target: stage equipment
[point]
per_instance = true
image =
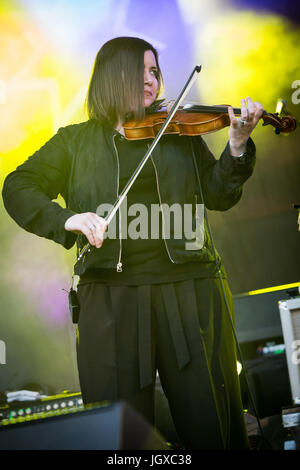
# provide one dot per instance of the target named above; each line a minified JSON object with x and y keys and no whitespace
{"x":25,"y":411}
{"x":291,"y":423}
{"x":290,"y":321}
{"x":256,"y":313}
{"x":260,"y":335}
{"x":99,"y":427}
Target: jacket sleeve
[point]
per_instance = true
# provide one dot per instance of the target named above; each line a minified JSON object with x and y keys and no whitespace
{"x":28,"y":192}
{"x":222,"y":180}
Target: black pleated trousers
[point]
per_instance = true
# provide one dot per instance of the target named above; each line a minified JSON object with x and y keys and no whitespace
{"x":181,"y":329}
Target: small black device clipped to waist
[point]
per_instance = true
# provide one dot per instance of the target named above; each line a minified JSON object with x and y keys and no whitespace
{"x":74,"y":306}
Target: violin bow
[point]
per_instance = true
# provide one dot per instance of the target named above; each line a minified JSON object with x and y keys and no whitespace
{"x":192,"y":78}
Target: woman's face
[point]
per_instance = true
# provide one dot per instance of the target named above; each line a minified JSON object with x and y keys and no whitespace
{"x":150,"y":78}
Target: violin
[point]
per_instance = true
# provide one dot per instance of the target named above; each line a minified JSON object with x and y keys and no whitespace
{"x":187,"y":120}
{"x":192,"y":120}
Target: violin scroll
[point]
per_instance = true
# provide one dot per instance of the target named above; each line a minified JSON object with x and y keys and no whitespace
{"x":282,"y":124}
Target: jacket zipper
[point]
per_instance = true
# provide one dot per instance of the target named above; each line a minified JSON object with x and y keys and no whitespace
{"x":160,"y":203}
{"x":119,"y":263}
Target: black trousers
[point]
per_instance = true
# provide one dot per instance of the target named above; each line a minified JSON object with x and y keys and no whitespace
{"x":181,"y":329}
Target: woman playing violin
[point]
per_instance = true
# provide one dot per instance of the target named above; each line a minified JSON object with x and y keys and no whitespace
{"x":148,"y":301}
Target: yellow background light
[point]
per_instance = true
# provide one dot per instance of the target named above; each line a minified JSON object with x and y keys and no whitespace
{"x":247,"y":54}
{"x":276,"y":288}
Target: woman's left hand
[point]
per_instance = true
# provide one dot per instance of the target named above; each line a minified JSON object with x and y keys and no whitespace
{"x":241,"y":128}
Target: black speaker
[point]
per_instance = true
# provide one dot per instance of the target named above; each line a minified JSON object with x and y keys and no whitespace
{"x":269,"y":384}
{"x":108,"y":427}
{"x":257,"y":314}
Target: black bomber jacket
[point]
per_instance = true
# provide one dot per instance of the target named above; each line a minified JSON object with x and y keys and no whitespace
{"x":80,"y":162}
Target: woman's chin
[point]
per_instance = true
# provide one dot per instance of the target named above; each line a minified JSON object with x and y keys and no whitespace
{"x":148,"y":102}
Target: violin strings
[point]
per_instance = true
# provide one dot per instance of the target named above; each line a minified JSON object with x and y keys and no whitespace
{"x":209,"y":109}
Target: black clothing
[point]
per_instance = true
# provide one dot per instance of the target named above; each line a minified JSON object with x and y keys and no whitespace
{"x":81,"y":163}
{"x":182,"y":328}
{"x":144,"y":260}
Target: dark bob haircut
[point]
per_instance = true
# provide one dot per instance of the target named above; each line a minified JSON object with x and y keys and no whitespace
{"x":116,"y":88}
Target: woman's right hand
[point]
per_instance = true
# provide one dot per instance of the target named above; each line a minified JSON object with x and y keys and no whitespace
{"x":88,"y":224}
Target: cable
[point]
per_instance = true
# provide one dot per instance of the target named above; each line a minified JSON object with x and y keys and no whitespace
{"x":218,"y":265}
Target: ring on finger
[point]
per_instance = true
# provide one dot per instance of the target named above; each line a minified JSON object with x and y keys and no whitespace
{"x":242,"y":121}
{"x":92,"y":227}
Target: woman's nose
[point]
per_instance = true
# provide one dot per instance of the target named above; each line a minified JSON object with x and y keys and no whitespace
{"x":147,"y":77}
